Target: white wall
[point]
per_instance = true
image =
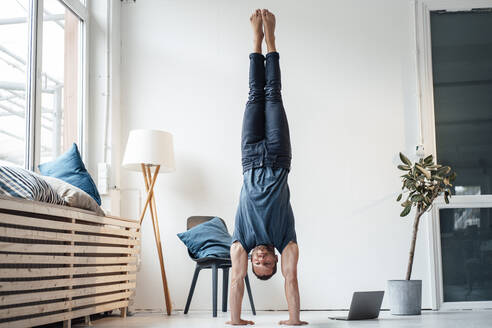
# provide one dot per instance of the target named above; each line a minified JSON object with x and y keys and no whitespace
{"x":349,"y":90}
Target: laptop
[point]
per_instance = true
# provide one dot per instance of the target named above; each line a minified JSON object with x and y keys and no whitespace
{"x":365,"y":305}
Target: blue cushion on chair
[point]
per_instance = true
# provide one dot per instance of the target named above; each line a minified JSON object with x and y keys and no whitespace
{"x":70,"y":168}
{"x":208,"y":239}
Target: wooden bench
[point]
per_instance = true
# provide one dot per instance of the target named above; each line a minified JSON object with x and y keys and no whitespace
{"x":58,"y":263}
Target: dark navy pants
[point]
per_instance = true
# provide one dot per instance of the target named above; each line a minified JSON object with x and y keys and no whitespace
{"x":265,"y":137}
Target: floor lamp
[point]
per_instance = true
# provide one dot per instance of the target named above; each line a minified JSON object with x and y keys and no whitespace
{"x":151,"y":152}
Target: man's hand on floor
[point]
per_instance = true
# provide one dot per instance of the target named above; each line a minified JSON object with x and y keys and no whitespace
{"x":241,"y":322}
{"x":293,"y":322}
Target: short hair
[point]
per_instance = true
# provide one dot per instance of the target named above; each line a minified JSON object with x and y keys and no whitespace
{"x":267,"y":276}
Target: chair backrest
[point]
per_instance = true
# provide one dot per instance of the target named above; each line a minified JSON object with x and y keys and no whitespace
{"x":193,"y":221}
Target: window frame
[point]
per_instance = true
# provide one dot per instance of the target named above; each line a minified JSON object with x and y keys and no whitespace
{"x":425,"y":103}
{"x":34,"y":75}
{"x":465,"y":201}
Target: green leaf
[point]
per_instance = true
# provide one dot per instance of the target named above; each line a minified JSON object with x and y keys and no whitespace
{"x":404,"y":167}
{"x":424,"y":171}
{"x":399,"y":197}
{"x":452,"y":177}
{"x":406,"y":203}
{"x":429,"y":159}
{"x":444,"y":170}
{"x":446,"y":198}
{"x":410,"y":184}
{"x":405,"y":211}
{"x":405,"y":160}
{"x":417,"y":198}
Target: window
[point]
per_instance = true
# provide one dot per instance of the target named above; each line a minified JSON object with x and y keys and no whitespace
{"x":466,"y":243}
{"x":59,"y":101}
{"x":13,"y":58}
{"x":42,"y":74}
{"x":454,"y":67}
{"x":462,"y":78}
{"x":462,"y":84}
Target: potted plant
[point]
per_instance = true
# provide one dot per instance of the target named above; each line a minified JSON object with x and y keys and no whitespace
{"x":423,"y":182}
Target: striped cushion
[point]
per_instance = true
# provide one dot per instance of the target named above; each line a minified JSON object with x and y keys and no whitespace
{"x":21,"y":183}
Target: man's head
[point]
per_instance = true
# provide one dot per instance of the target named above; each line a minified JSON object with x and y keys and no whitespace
{"x":264,"y":261}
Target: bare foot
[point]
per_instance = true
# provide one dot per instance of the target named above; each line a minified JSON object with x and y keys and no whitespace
{"x":293,"y":322}
{"x":257,"y":25}
{"x":241,"y":322}
{"x":269,"y":25}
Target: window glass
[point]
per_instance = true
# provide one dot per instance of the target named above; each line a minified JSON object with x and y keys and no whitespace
{"x":462,"y":72}
{"x":60,"y":80}
{"x":466,"y":249}
{"x":13,"y":77}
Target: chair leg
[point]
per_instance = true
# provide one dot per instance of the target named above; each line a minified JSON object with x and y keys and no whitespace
{"x":192,"y":289}
{"x":225,"y":288}
{"x":214,"y":289}
{"x":248,"y":287}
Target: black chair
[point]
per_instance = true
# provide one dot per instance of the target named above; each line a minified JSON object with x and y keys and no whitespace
{"x":214,"y":263}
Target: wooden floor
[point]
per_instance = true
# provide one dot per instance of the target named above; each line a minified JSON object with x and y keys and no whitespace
{"x":461,"y":319}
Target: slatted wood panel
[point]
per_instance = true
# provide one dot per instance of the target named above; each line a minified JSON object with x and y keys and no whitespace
{"x":58,"y":263}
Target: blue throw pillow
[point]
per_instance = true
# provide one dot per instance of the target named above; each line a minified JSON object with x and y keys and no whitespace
{"x":208,"y":239}
{"x":70,"y":168}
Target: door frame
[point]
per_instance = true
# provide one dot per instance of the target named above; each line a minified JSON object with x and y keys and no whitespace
{"x":425,"y":103}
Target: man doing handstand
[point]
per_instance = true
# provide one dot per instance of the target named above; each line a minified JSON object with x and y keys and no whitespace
{"x":264,"y":219}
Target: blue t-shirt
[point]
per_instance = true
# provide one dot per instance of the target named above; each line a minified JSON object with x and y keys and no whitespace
{"x":264,"y":215}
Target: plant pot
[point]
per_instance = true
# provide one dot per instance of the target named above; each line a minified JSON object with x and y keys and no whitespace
{"x":405,"y":297}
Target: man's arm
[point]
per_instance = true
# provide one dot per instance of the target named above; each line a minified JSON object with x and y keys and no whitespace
{"x":290,"y":255}
{"x":239,"y":259}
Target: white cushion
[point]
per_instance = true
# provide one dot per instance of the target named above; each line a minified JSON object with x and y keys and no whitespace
{"x":73,"y":196}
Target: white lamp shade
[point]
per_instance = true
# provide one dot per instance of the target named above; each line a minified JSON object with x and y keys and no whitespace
{"x":152,"y":147}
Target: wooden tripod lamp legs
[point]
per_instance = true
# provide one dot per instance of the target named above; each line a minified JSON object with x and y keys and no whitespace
{"x":149,"y":186}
